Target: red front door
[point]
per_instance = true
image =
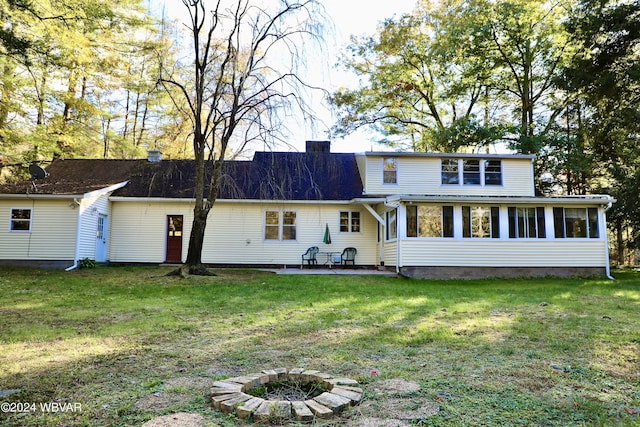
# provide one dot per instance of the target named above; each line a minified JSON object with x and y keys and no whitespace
{"x":174,"y":239}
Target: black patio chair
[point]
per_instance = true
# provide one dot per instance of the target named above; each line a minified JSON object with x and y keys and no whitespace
{"x":310,"y":255}
{"x":348,"y":255}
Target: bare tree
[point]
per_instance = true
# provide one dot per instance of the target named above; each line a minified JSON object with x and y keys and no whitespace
{"x":242,"y":76}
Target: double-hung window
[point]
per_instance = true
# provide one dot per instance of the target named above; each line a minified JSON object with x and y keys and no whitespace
{"x":429,"y":221}
{"x":349,"y":222}
{"x":20,"y":220}
{"x":481,"y":222}
{"x":471,"y":172}
{"x":390,"y":170}
{"x":280,"y":225}
{"x":526,"y":223}
{"x":449,"y":170}
{"x":576,"y":223}
{"x":492,"y":172}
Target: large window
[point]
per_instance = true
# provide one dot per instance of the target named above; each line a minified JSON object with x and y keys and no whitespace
{"x":280,"y":225}
{"x":20,"y":220}
{"x":429,"y":221}
{"x":349,"y":222}
{"x":526,"y":223}
{"x":471,"y":172}
{"x":576,"y":223}
{"x":481,"y":222}
{"x":390,"y":170}
{"x":392,"y":224}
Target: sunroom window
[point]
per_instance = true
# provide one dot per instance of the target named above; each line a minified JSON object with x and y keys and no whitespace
{"x":392,"y":225}
{"x":526,"y":223}
{"x":576,"y":223}
{"x":481,"y":222}
{"x":429,"y":221}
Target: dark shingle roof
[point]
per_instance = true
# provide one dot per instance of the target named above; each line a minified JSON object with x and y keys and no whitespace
{"x":76,"y":176}
{"x":269,"y":176}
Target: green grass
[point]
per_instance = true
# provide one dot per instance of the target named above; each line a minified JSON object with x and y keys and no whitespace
{"x":130,"y":344}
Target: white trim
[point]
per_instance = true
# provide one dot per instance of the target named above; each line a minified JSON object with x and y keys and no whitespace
{"x":250,"y":201}
{"x":106,"y":190}
{"x":449,"y":155}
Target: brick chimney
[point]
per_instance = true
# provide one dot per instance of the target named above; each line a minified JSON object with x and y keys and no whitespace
{"x":154,"y":156}
{"x":318,"y":147}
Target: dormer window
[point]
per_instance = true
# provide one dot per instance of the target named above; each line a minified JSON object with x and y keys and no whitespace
{"x":390,"y":170}
{"x":471,"y":172}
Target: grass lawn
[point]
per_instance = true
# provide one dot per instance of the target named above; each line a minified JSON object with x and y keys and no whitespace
{"x":128,"y":344}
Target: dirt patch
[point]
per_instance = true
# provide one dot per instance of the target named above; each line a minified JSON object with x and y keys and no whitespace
{"x":181,"y":419}
{"x":198,"y":384}
{"x":376,"y":422}
{"x":396,"y":386}
{"x":158,"y":402}
{"x":410,"y":408}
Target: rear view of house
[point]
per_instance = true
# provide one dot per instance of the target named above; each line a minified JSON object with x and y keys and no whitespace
{"x":421,"y":214}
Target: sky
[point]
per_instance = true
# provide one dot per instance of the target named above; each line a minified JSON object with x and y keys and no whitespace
{"x":350,"y":17}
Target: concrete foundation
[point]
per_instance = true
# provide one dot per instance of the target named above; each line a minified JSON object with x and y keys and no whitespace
{"x":507,"y":272}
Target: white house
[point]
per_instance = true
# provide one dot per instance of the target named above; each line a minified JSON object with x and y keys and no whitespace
{"x":421,"y":214}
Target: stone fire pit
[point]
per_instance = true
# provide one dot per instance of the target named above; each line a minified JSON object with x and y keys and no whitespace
{"x":235,"y":394}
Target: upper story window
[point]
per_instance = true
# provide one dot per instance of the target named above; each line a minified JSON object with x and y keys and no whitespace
{"x":481,"y":222}
{"x":576,"y":223}
{"x":390,"y":170}
{"x":349,"y":222}
{"x":20,"y":220}
{"x":450,"y":171}
{"x":429,"y":221}
{"x":492,"y":172}
{"x":526,"y":223}
{"x":280,"y":225}
{"x":471,"y":172}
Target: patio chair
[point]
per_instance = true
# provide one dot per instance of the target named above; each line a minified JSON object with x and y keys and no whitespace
{"x":310,"y":255}
{"x":348,"y":255}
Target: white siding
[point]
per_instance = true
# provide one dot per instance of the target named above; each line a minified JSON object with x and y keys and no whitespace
{"x":138,"y":230}
{"x":89,"y":211}
{"x":53,"y":231}
{"x":421,"y":175}
{"x":235,"y":232}
{"x":504,"y":253}
{"x":390,"y":253}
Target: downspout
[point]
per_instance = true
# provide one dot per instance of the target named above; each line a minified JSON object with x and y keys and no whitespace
{"x":76,"y":258}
